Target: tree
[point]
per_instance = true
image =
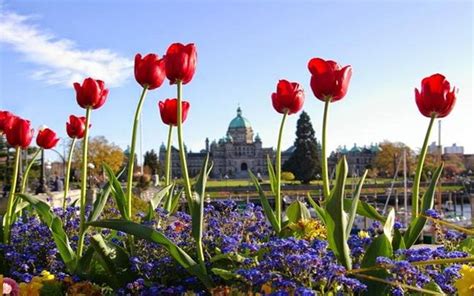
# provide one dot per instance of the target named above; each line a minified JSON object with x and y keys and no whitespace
{"x":453,"y":165}
{"x":101,"y":152}
{"x":390,"y":155}
{"x":305,"y":161}
{"x":151,"y":162}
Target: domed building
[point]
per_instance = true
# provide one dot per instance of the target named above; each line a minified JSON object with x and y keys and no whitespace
{"x":233,"y":155}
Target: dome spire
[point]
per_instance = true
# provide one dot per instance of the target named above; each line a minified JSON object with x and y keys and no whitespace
{"x":239,"y":111}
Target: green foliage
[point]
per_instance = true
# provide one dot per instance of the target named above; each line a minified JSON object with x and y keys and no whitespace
{"x":56,"y":227}
{"x":267,"y":209}
{"x":117,"y":192}
{"x":427,"y":202}
{"x":305,"y":161}
{"x":155,"y":201}
{"x":147,"y":233}
{"x":380,"y":246}
{"x":297,"y":211}
{"x":467,"y":245}
{"x":336,"y":218}
{"x":355,"y":204}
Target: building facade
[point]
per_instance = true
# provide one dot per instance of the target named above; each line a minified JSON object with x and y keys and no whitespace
{"x":358,"y":158}
{"x":233,"y":155}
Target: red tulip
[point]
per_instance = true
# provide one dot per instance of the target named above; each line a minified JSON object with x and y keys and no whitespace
{"x":46,"y":138}
{"x":20,"y":133}
{"x":91,"y":94}
{"x":180,"y":62}
{"x":169,"y":111}
{"x":289,"y":97}
{"x":76,"y":126}
{"x":436,"y":96}
{"x":328,"y":79}
{"x":150,"y":70}
{"x":6,"y":121}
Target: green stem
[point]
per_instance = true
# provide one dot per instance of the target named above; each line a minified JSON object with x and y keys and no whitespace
{"x":27,"y":171}
{"x":416,"y":182}
{"x":168,"y":168}
{"x":68,"y":172}
{"x":131,"y":160}
{"x":278,"y":171}
{"x":182,"y":153}
{"x":11,"y":197}
{"x":184,"y":172}
{"x":413,"y":288}
{"x":324,"y":160}
{"x":85,"y":144}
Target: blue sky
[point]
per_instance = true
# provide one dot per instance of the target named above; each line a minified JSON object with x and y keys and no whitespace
{"x":244,"y":47}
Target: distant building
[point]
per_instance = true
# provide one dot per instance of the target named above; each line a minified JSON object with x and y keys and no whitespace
{"x":233,"y":155}
{"x":358,"y":158}
{"x":454,"y":149}
{"x":435,"y":148}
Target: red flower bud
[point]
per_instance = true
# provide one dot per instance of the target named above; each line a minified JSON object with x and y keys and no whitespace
{"x":6,"y":121}
{"x":20,"y":133}
{"x":46,"y":138}
{"x":328,"y":79}
{"x":76,"y":126}
{"x":149,"y":70}
{"x":92,"y":93}
{"x":289,"y":97}
{"x":169,"y":111}
{"x":436,"y":96}
{"x":180,"y":62}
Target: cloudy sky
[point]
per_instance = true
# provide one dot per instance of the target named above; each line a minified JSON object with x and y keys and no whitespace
{"x":243,"y":49}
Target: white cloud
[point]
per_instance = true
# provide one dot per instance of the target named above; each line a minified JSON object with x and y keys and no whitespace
{"x":60,"y":61}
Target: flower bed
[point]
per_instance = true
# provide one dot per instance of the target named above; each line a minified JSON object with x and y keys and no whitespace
{"x":224,"y":248}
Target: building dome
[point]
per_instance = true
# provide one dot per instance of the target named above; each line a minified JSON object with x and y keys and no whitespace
{"x":239,"y":121}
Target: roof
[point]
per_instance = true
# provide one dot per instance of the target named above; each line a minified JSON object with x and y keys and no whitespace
{"x":239,"y":121}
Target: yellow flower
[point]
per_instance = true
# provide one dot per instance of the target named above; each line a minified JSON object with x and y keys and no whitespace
{"x":465,"y":284}
{"x":30,"y":289}
{"x":47,"y":276}
{"x":363,"y":234}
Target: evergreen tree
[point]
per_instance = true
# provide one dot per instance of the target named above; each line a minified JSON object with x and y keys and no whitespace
{"x":304,"y":162}
{"x":151,"y":161}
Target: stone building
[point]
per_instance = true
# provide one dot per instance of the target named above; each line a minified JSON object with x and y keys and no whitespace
{"x":358,"y":158}
{"x":233,"y":155}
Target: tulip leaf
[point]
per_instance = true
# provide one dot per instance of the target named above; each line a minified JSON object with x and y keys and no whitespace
{"x":297,"y":211}
{"x":56,"y":227}
{"x":418,"y":223}
{"x":155,"y":201}
{"x":388,"y":226}
{"x":225,"y":274}
{"x":380,"y":247}
{"x":267,"y":209}
{"x":271,"y":175}
{"x":336,"y":218}
{"x":355,"y":204}
{"x":83,"y":265}
{"x":197,"y":213}
{"x":398,"y":242}
{"x":113,"y":259}
{"x":364,"y":209}
{"x":117,"y":192}
{"x":149,"y":234}
{"x":101,"y":200}
{"x":320,"y":212}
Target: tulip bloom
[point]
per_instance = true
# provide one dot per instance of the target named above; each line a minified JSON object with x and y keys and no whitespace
{"x":46,"y":138}
{"x":169,"y":111}
{"x":435,"y":97}
{"x":328,"y":79}
{"x":6,"y":120}
{"x":180,"y":62}
{"x":91,"y":94}
{"x":76,"y":126}
{"x":149,"y":70}
{"x":20,"y":133}
{"x":288,"y":98}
